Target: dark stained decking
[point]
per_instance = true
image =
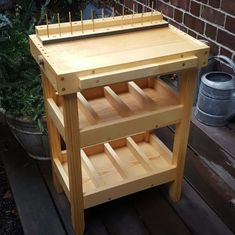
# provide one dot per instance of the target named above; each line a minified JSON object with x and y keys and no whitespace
{"x":207,"y":204}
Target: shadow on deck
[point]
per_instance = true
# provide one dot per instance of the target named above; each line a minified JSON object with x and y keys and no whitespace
{"x":207,"y":205}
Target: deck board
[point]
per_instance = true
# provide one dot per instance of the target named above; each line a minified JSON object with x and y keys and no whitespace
{"x":157,"y":214}
{"x":34,"y":204}
{"x":120,"y":218}
{"x":204,"y":177}
{"x":144,"y":213}
{"x":197,"y":215}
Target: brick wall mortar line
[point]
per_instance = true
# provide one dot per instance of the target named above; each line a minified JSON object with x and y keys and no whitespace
{"x":202,"y":19}
{"x":201,"y":4}
{"x":217,"y":9}
{"x":206,"y":37}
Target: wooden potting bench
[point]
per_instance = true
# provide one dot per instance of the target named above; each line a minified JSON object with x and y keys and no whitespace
{"x":103,"y":97}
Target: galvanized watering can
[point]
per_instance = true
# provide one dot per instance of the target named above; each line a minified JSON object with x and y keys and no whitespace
{"x":216,"y":98}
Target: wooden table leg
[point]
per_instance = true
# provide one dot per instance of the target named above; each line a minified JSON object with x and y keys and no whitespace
{"x":72,"y":137}
{"x":54,"y":136}
{"x":186,"y":93}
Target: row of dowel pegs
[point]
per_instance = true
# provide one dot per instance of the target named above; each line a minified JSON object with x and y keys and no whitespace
{"x":145,"y":8}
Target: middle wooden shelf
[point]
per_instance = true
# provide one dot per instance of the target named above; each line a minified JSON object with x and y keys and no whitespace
{"x":121,"y":109}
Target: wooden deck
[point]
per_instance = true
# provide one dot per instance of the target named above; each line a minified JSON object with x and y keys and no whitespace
{"x":207,"y":205}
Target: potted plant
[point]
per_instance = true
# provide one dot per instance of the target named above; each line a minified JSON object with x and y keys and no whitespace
{"x":20,"y":85}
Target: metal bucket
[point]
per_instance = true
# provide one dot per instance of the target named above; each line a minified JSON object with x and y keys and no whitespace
{"x":216,"y":98}
{"x":34,"y":142}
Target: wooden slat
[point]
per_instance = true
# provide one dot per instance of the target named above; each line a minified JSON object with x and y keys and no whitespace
{"x":139,"y":94}
{"x":116,"y":161}
{"x":53,"y":131}
{"x":128,"y":186}
{"x":62,"y":176}
{"x":56,"y":116}
{"x":161,"y":148}
{"x":164,"y":90}
{"x":104,"y":132}
{"x":116,"y":102}
{"x":135,"y":72}
{"x":90,"y":169}
{"x":139,"y":154}
{"x":86,"y":108}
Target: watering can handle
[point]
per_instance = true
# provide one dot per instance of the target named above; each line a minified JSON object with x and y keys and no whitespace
{"x":226,"y":60}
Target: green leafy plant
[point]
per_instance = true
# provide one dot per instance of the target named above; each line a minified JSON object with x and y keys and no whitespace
{"x":20,"y":86}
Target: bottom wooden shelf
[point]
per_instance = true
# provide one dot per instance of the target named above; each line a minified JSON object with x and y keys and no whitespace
{"x":120,"y":167}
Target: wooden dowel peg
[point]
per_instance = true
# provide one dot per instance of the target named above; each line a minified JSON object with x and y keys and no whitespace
{"x":133,"y":12}
{"x":48,"y":35}
{"x":152,"y":12}
{"x":142,"y":16}
{"x":70,"y":22}
{"x":102,"y":13}
{"x":81,"y":13}
{"x":93,"y":21}
{"x":123,"y":12}
{"x":58,"y":20}
{"x":113,"y":12}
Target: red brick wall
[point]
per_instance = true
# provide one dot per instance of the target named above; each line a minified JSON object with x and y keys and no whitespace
{"x":212,"y":20}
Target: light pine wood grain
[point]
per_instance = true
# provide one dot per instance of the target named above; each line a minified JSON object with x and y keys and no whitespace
{"x":54,"y":137}
{"x":186,"y":94}
{"x":72,"y":138}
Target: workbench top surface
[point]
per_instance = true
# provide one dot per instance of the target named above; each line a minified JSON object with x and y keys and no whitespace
{"x":99,"y":52}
